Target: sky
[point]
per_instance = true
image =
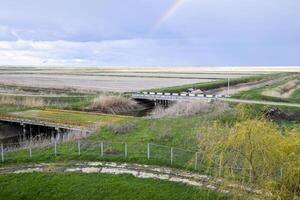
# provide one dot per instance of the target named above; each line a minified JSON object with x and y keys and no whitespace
{"x":150,"y":32}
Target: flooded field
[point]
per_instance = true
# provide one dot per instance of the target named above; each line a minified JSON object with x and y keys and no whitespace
{"x":98,"y":83}
{"x":111,"y":80}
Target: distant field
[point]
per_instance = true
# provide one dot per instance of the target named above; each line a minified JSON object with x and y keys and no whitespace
{"x":97,"y":83}
{"x":115,"y":79}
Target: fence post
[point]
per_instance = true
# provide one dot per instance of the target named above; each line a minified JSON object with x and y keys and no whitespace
{"x":196,"y":160}
{"x":78,"y":146}
{"x":220,"y":167}
{"x":250,"y":174}
{"x":148,"y":151}
{"x":30,"y":153}
{"x":171,"y":155}
{"x":2,"y":153}
{"x":55,"y":148}
{"x":281,"y":172}
{"x":125,"y":150}
{"x":101,"y":149}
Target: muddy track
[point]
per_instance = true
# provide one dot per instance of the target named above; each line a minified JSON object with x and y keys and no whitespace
{"x":246,"y":86}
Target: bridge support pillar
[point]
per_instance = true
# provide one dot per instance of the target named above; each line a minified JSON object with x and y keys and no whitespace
{"x":24,"y":132}
{"x":59,"y":134}
{"x":30,"y":132}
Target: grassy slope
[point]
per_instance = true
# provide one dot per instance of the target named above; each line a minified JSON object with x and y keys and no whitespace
{"x":172,"y":131}
{"x":181,"y":132}
{"x":177,"y":132}
{"x":296,"y":95}
{"x":5,"y":108}
{"x":52,"y":186}
{"x":212,"y":84}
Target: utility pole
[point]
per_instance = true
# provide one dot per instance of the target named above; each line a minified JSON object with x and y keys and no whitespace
{"x":228,"y":86}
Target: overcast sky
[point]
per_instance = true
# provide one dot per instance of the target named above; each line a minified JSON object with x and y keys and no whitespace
{"x":150,"y":32}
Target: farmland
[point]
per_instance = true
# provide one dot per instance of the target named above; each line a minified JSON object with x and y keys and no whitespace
{"x":200,"y":136}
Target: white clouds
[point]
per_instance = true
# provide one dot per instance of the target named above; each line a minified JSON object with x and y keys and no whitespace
{"x":114,"y":32}
{"x":159,"y":52}
{"x":111,"y":52}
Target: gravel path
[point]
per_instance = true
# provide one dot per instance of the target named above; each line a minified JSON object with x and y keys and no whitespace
{"x":271,"y":103}
{"x":245,"y":86}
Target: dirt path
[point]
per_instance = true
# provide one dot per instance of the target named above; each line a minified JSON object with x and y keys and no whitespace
{"x":271,"y":103}
{"x":137,"y":170}
{"x":245,"y":86}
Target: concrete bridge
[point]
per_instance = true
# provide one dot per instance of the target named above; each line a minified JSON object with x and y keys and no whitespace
{"x":56,"y":129}
{"x":173,"y":96}
{"x":164,"y":98}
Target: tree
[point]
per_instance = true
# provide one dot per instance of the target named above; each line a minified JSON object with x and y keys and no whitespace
{"x":269,"y":155}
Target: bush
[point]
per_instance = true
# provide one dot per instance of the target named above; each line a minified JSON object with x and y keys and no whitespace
{"x":192,"y":108}
{"x":259,"y":145}
{"x":122,"y":128}
{"x":113,"y":104}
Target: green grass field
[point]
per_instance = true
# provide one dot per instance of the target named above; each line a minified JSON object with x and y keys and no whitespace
{"x":70,"y":186}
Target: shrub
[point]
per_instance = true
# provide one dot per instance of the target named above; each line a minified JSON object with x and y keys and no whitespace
{"x":113,"y":104}
{"x":192,"y":108}
{"x":165,"y":135}
{"x":122,"y":128}
{"x":258,"y":146}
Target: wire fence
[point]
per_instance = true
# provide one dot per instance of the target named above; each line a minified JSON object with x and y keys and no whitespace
{"x":122,"y":151}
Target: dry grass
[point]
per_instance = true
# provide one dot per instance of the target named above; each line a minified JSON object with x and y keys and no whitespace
{"x":26,"y":101}
{"x":192,"y":108}
{"x":122,"y":128}
{"x":113,"y":104}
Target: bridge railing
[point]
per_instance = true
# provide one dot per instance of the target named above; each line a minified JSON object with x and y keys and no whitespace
{"x":169,"y":94}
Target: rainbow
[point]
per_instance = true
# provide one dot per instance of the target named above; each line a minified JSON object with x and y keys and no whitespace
{"x":168,"y":13}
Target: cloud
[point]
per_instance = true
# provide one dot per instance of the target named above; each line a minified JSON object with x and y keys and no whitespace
{"x":146,"y":52}
{"x":113,"y":32}
{"x":110,"y":52}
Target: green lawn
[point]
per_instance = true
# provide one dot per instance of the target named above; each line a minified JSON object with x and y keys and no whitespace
{"x":71,"y":186}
